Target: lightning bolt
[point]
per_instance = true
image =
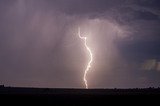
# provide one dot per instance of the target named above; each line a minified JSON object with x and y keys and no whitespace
{"x":90,"y":55}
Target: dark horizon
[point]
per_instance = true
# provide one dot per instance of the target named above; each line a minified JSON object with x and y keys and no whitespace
{"x":45,"y":96}
{"x":3,"y":86}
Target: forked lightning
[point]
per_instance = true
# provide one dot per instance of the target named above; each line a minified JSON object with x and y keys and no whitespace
{"x":90,"y":60}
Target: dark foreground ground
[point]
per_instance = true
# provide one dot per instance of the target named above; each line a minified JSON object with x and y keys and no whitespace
{"x":81,"y":97}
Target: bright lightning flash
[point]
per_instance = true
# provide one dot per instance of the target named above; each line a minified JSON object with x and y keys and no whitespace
{"x":91,"y":58}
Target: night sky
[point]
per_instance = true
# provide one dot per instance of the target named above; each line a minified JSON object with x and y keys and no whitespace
{"x":40,"y":47}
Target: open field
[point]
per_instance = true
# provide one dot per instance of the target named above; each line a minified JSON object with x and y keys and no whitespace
{"x":81,"y":97}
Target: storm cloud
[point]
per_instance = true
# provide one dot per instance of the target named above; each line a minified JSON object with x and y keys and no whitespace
{"x":39,"y":45}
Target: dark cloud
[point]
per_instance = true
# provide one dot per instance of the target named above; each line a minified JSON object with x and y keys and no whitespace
{"x":39,"y":44}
